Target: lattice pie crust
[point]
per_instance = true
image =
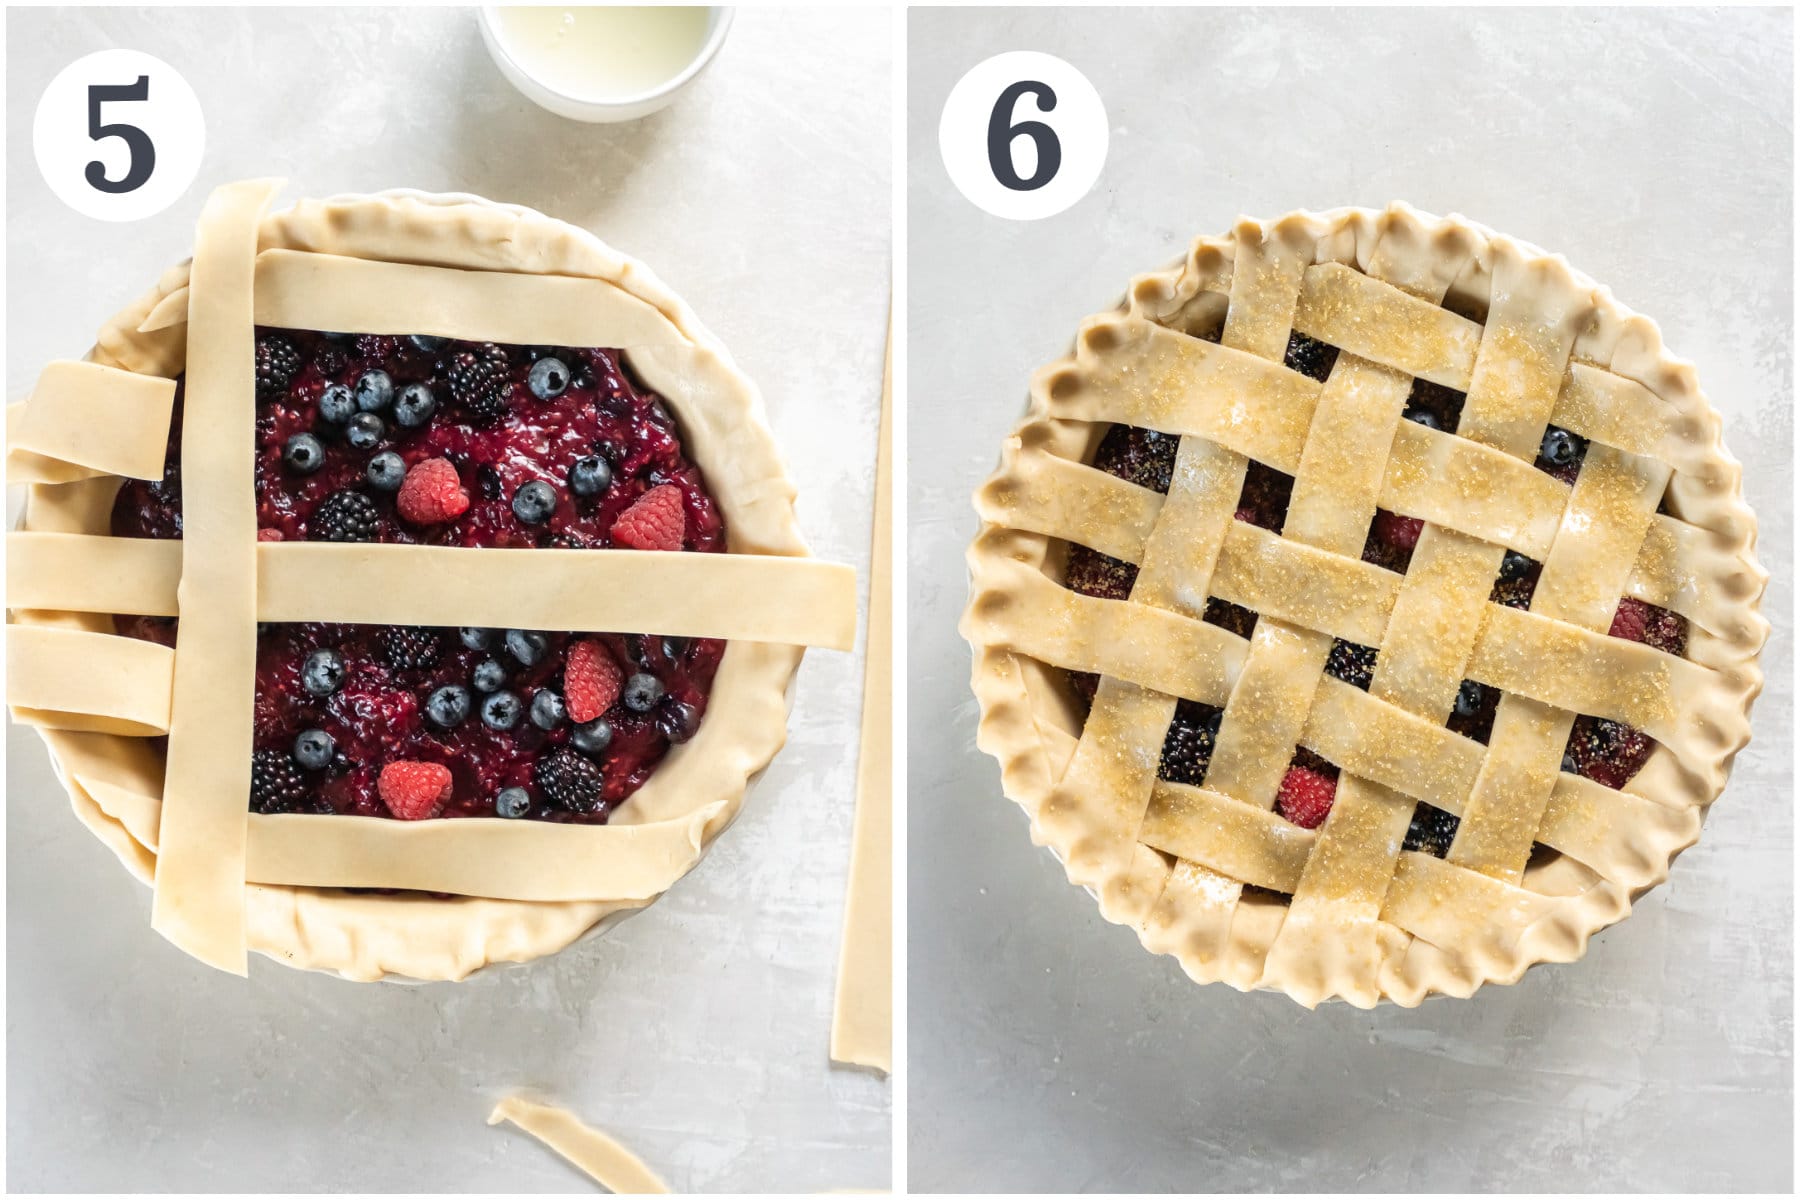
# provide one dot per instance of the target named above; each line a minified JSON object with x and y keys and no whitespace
{"x":1542,"y":858}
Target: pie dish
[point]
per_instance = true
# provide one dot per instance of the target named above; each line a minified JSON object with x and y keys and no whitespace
{"x":1366,"y":608}
{"x":408,"y":583}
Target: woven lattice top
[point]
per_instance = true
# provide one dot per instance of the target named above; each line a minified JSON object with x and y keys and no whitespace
{"x":1382,"y":309}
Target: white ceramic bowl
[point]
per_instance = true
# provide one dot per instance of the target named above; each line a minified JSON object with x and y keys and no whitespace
{"x":624,"y":108}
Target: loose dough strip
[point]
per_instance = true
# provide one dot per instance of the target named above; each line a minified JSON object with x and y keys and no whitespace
{"x":602,"y":1159}
{"x":102,"y":419}
{"x":199,"y":900}
{"x":476,"y":856}
{"x":95,"y":682}
{"x":296,"y":289}
{"x":862,"y":1019}
{"x":791,"y":601}
{"x":779,"y":599}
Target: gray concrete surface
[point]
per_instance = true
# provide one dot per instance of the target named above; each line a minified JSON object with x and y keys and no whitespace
{"x":1048,"y":1050}
{"x":697,"y":1031}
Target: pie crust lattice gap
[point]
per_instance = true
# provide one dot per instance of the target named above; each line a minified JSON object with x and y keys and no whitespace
{"x":227,"y":880}
{"x":1541,"y":857}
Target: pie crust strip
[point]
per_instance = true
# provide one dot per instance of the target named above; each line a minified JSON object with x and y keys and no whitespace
{"x":97,"y":418}
{"x":593,"y":1153}
{"x":298,"y":289}
{"x":88,"y":682}
{"x":862,"y":1018}
{"x":199,"y":887}
{"x":788,"y":600}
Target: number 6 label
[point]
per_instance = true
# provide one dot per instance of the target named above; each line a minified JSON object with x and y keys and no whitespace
{"x":118,"y":135}
{"x":1023,"y":135}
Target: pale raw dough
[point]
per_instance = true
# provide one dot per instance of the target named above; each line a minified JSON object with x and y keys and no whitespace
{"x":601,"y":1158}
{"x":862,"y":1020}
{"x":479,"y":254}
{"x":107,"y":420}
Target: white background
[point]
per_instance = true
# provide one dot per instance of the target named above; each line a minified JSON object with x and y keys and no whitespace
{"x":697,"y":1031}
{"x":1049,"y":1051}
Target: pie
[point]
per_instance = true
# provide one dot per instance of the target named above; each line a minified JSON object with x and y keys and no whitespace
{"x":409,"y":583}
{"x":1366,"y":609}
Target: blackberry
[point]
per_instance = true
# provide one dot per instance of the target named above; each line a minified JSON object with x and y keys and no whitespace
{"x":1095,"y":574}
{"x":410,"y":647}
{"x":569,"y":781}
{"x":1352,"y":663}
{"x":1227,"y":615}
{"x":1188,"y":747}
{"x":376,"y":347}
{"x":276,"y":784}
{"x":478,"y":381}
{"x":277,"y":362}
{"x":1432,"y":830}
{"x":1311,"y":358}
{"x":344,"y":517}
{"x":1143,"y":456}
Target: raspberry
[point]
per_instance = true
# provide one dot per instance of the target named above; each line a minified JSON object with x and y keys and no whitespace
{"x":1398,"y":531}
{"x":1305,"y":797}
{"x":414,"y":791}
{"x":1636,"y":621}
{"x":656,"y":520}
{"x":432,"y":493}
{"x":268,"y":535}
{"x":591,"y":681}
{"x":277,"y":362}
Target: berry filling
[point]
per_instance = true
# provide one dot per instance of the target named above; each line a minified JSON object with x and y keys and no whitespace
{"x":1600,"y":750}
{"x":431,"y":441}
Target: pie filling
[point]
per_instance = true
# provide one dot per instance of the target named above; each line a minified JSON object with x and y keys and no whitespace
{"x":1604,"y":751}
{"x":431,"y":441}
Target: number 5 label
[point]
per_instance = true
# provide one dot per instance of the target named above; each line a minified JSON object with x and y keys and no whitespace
{"x":118,"y":135}
{"x":1023,"y":135}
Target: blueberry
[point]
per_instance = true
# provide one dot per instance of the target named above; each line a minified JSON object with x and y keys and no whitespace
{"x":592,"y":738}
{"x":678,"y":721}
{"x":549,"y":378}
{"x":374,"y":391}
{"x":1468,"y":698}
{"x":527,"y":646}
{"x":1514,"y":565}
{"x":1569,"y":764}
{"x":386,"y":472}
{"x":501,"y":710}
{"x":365,"y":431}
{"x":1425,"y":417}
{"x":428,"y":343}
{"x":548,"y":710}
{"x":1560,"y":447}
{"x":590,"y":476}
{"x":488,"y":676}
{"x":642,"y":692}
{"x":337,"y":404}
{"x":414,"y":405}
{"x":448,"y":706}
{"x":488,"y":480}
{"x":512,"y":803}
{"x":313,"y":749}
{"x":674,"y":647}
{"x":323,"y":673}
{"x":534,"y":502}
{"x":303,"y":454}
{"x":475,"y":638}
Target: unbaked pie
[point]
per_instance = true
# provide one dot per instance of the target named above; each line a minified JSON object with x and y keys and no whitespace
{"x":1366,"y":609}
{"x":411,"y":583}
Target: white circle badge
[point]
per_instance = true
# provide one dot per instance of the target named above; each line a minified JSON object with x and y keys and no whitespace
{"x":119,"y":135}
{"x":1023,"y":135}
